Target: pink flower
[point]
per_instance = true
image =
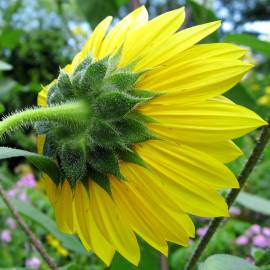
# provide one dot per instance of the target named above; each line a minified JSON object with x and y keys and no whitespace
{"x":260,"y":241}
{"x":23,"y":197}
{"x":241,"y":240}
{"x":235,"y":211}
{"x":11,"y":223}
{"x":266,"y":231}
{"x":28,"y":181}
{"x":5,"y":236}
{"x":12,"y":192}
{"x":33,"y":262}
{"x":201,"y":231}
{"x":255,"y":228}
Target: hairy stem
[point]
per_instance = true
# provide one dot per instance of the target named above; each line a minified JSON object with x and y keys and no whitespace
{"x":242,"y":178}
{"x":76,"y":112}
{"x":36,"y":243}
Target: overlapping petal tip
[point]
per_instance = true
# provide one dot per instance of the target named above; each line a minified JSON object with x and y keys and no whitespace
{"x":224,"y":151}
{"x":190,"y":182}
{"x":114,"y":228}
{"x":206,"y":121}
{"x":150,"y":35}
{"x":194,"y":81}
{"x":176,"y":44}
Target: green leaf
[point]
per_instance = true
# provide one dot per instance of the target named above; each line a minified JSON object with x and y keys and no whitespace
{"x":5,"y":66}
{"x":101,"y":179}
{"x":133,"y":131}
{"x":10,"y":38}
{"x":226,"y":262}
{"x":131,"y":156}
{"x":202,"y":14}
{"x":43,"y":163}
{"x":114,"y":105}
{"x":240,"y":95}
{"x":102,"y":133}
{"x":2,"y":108}
{"x":264,"y":259}
{"x":149,"y":260}
{"x":64,"y":84}
{"x":254,"y":203}
{"x":124,"y":80}
{"x":73,"y":162}
{"x":69,"y":242}
{"x":55,"y":96}
{"x":257,"y":253}
{"x":251,"y":41}
{"x":94,"y":75}
{"x":104,"y":161}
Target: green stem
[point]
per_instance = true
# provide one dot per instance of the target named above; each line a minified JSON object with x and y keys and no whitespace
{"x":75,"y":112}
{"x":242,"y":178}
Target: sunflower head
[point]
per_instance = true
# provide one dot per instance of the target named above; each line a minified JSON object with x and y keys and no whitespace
{"x":149,"y":141}
{"x":94,"y":148}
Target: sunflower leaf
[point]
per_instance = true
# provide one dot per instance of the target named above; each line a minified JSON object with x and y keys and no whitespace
{"x":105,"y":161}
{"x":133,"y":131}
{"x":114,"y":105}
{"x":124,"y":81}
{"x":64,"y":84}
{"x":94,"y":75}
{"x":103,"y":134}
{"x":73,"y":162}
{"x":43,"y":163}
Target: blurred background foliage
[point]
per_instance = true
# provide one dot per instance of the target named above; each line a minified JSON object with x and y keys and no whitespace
{"x":37,"y":37}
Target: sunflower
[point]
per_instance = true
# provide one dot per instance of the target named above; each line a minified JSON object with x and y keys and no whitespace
{"x":159,"y":134}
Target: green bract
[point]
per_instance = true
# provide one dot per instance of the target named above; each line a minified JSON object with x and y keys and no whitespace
{"x":93,"y":150}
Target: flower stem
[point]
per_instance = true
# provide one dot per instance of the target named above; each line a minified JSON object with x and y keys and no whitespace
{"x":36,"y":243}
{"x":76,"y":112}
{"x":163,"y":262}
{"x":242,"y":178}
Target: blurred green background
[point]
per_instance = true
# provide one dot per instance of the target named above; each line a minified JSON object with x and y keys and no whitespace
{"x":37,"y":37}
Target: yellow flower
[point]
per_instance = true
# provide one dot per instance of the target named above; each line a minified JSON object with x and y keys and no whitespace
{"x":52,"y":241}
{"x":57,"y":245}
{"x":264,"y":100}
{"x":267,"y":90}
{"x":62,"y":251}
{"x":181,"y":169}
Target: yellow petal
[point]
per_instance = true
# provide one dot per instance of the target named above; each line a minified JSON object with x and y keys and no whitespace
{"x":154,"y":194}
{"x":112,"y":225}
{"x":206,"y":51}
{"x":165,"y":223}
{"x":87,"y":228}
{"x":177,"y":44}
{"x":194,"y":81}
{"x":225,"y":152}
{"x":197,"y":168}
{"x":209,"y":121}
{"x":135,"y":212}
{"x":40,"y":143}
{"x":186,"y":184}
{"x":94,"y":43}
{"x":117,"y":35}
{"x":151,"y":34}
{"x":51,"y":188}
{"x":64,"y":209}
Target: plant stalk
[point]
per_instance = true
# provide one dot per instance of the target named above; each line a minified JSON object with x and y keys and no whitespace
{"x":242,"y":178}
{"x":75,"y":112}
{"x":36,"y":243}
